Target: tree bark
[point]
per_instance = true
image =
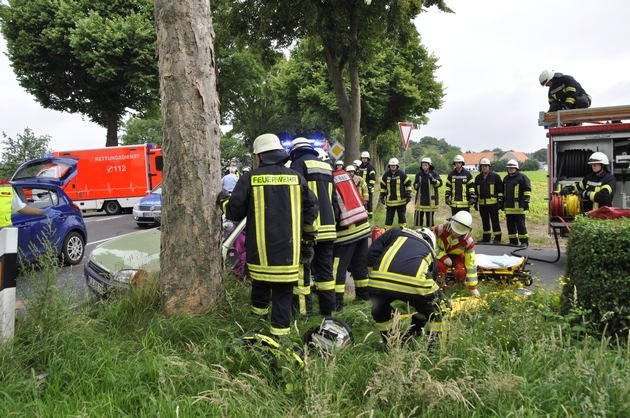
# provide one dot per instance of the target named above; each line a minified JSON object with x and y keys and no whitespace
{"x":190,"y":256}
{"x":112,"y":129}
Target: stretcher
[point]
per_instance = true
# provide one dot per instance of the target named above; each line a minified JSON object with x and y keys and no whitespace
{"x":503,"y":269}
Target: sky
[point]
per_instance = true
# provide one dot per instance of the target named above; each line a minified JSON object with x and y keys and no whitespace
{"x":490,"y":55}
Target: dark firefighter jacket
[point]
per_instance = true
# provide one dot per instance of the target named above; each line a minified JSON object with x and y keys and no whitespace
{"x":517,"y":191}
{"x":602,"y":189}
{"x":460,"y":186}
{"x":367,"y":172}
{"x":489,"y":188}
{"x":319,"y":176}
{"x":395,"y":187}
{"x":402,"y":263}
{"x":426,"y":192}
{"x":281,"y":211}
{"x":563,"y":92}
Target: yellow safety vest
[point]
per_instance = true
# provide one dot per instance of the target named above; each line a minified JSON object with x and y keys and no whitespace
{"x":6,"y":201}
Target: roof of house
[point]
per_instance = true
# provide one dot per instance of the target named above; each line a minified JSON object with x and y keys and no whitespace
{"x":517,"y":155}
{"x":472,"y":158}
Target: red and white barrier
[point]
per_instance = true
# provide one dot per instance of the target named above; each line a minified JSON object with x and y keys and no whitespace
{"x":8,"y":274}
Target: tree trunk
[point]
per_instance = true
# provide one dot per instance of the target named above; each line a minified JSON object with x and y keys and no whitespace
{"x":112,"y":129}
{"x":190,"y":256}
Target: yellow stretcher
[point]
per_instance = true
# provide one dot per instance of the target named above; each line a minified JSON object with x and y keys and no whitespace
{"x":503,"y":269}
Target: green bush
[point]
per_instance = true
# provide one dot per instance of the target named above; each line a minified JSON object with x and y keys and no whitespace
{"x":596,"y":292}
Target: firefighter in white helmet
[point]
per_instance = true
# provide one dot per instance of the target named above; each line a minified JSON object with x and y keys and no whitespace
{"x":564,"y":91}
{"x":395,"y":193}
{"x":426,"y":184}
{"x":456,"y":250}
{"x":367,"y":171}
{"x":339,"y":165}
{"x":598,"y":187}
{"x":403,"y":268}
{"x":273,"y":264}
{"x":517,"y":191}
{"x":460,"y":187}
{"x":489,"y":190}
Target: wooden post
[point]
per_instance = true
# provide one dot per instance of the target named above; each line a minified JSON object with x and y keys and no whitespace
{"x":8,"y":274}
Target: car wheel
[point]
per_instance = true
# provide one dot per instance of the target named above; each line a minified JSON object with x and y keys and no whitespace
{"x":73,"y":249}
{"x":112,"y":207}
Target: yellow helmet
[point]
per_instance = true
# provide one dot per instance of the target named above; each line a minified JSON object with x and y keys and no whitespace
{"x":267,"y":142}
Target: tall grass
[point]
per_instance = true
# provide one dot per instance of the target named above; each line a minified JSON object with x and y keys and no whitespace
{"x":509,"y":356}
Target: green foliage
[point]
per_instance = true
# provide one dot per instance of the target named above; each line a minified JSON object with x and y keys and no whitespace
{"x":23,"y":148}
{"x":540,"y":155}
{"x":530,"y":165}
{"x":142,"y":131}
{"x":91,"y":57}
{"x":232,"y":146}
{"x":597,"y":269}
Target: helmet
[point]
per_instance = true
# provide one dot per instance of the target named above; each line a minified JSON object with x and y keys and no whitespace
{"x":351,"y":167}
{"x":485,"y":161}
{"x":339,"y":162}
{"x":426,"y":160}
{"x":598,"y":158}
{"x":322,"y":155}
{"x":246,"y":169}
{"x":365,"y":154}
{"x":393,"y":161}
{"x":458,"y":159}
{"x":428,"y":235}
{"x":300,"y":143}
{"x":545,"y":76}
{"x":331,"y":335}
{"x":267,"y":142}
{"x":461,"y":222}
{"x":357,"y":162}
{"x":512,"y":164}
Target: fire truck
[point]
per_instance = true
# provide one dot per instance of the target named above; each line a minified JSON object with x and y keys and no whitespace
{"x":573,"y":136}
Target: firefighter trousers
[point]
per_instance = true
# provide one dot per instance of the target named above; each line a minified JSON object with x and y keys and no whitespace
{"x":517,"y":229}
{"x":319,"y":273}
{"x":490,"y":222}
{"x":389,"y":215}
{"x":353,"y":256}
{"x":279,"y":294}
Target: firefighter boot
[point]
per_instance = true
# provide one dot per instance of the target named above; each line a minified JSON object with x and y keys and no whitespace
{"x":497,"y":238}
{"x":524,"y":242}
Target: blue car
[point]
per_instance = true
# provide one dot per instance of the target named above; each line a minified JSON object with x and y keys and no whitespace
{"x":148,"y":211}
{"x":39,"y":186}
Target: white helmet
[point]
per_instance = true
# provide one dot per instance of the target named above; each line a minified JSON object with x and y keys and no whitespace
{"x":331,"y":335}
{"x":246,"y":169}
{"x":458,"y":159}
{"x":545,"y":76}
{"x":267,"y":142}
{"x":485,"y":161}
{"x":339,"y":162}
{"x":351,"y":167}
{"x":598,"y":158}
{"x":300,"y":143}
{"x":365,"y":154}
{"x":426,"y":160}
{"x":393,"y":161}
{"x":461,"y":222}
{"x":428,"y":235}
{"x":357,"y":162}
{"x":512,"y":164}
{"x":322,"y":155}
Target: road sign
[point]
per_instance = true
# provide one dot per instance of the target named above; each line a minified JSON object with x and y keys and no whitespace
{"x":336,"y":151}
{"x":405,"y":129}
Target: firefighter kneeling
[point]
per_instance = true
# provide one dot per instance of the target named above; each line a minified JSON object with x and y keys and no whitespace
{"x":404,"y":268}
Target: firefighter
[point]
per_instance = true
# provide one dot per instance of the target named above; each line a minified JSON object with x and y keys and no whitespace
{"x":360,"y":183}
{"x":460,"y":187}
{"x":598,"y":187}
{"x":426,"y":183}
{"x":395,"y":193}
{"x":489,"y":190}
{"x":402,"y":265}
{"x":319,"y":176}
{"x":11,"y":203}
{"x":564,"y":91}
{"x":281,"y":227}
{"x":339,"y":165}
{"x":517,"y":191}
{"x":232,"y":168}
{"x":357,"y":164}
{"x":366,"y":170}
{"x":456,"y":250}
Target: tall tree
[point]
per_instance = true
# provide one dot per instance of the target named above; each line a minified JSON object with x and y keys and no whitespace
{"x":94,"y":57}
{"x":190,"y":260}
{"x":23,"y":148}
{"x":348,"y":32}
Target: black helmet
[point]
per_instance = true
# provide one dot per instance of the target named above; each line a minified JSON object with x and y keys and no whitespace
{"x":331,"y":335}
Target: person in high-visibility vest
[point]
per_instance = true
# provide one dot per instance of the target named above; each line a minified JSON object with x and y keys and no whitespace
{"x":11,"y":203}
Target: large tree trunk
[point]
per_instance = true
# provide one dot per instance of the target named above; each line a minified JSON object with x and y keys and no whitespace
{"x":112,"y":129}
{"x":190,"y":256}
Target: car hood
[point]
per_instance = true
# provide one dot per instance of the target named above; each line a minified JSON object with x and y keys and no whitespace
{"x":152,"y":199}
{"x":139,"y":250}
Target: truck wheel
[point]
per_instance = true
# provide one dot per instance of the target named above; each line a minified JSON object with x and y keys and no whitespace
{"x":112,"y":207}
{"x":73,"y":249}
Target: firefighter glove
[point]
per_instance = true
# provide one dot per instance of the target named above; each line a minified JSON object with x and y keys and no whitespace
{"x":433,"y":181}
{"x":222,"y":197}
{"x":408,"y":197}
{"x":416,"y":186}
{"x":448,"y":200}
{"x":584,"y":194}
{"x":430,"y":177}
{"x":500,"y":204}
{"x":526,"y":205}
{"x":307,"y":252}
{"x":474,"y":291}
{"x":476,"y":205}
{"x":448,"y":262}
{"x":472,"y":199}
{"x":382,"y":199}
{"x":567,"y":190}
{"x":51,"y":212}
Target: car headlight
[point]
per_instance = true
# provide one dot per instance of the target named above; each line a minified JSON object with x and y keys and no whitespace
{"x":136,"y":206}
{"x":130,"y":276}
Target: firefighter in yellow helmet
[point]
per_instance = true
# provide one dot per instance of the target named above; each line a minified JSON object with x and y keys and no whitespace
{"x":489,"y":190}
{"x":517,"y":191}
{"x":281,"y":227}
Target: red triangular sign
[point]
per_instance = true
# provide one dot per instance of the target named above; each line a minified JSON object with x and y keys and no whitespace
{"x":405,"y":129}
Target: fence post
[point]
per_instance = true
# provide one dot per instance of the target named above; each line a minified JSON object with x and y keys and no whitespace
{"x":8,"y":274}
